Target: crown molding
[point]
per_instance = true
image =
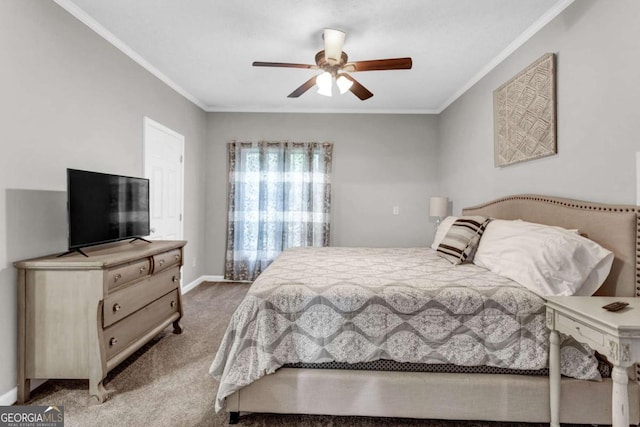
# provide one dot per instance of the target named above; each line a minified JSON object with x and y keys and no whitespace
{"x":220,"y":109}
{"x":513,"y":46}
{"x":79,"y":14}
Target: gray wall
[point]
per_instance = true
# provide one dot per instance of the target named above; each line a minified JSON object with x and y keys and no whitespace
{"x":70,"y":99}
{"x":379,"y":161}
{"x":598,"y":46}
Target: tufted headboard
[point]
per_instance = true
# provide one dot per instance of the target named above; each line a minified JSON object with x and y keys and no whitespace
{"x":615,"y":227}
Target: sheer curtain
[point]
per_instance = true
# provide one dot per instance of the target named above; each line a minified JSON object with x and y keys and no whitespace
{"x":279,"y":197}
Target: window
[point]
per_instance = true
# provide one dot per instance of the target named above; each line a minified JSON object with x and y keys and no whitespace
{"x":279,"y":197}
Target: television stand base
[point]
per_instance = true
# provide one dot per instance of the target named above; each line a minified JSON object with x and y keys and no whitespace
{"x":72,"y":252}
{"x":139,"y":238}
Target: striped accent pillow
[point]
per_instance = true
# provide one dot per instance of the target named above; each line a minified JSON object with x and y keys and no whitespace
{"x":461,"y":240}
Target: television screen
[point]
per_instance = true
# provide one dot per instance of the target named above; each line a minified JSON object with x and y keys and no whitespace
{"x":105,"y":208}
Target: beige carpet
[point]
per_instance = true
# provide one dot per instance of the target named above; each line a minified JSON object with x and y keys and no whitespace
{"x":167,"y":383}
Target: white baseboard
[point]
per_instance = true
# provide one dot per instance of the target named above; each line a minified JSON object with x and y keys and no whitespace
{"x":206,"y":278}
{"x":11,"y":397}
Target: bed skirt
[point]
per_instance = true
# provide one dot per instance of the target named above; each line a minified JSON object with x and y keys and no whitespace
{"x":431,"y":395}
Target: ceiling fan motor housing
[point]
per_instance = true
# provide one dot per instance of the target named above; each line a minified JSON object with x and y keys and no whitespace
{"x":327,"y":65}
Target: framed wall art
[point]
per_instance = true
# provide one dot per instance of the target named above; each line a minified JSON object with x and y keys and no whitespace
{"x":524,"y":113}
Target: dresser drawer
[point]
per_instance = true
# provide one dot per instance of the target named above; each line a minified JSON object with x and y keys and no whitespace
{"x":118,"y":336}
{"x":581,"y":332}
{"x":122,"y":274}
{"x":167,"y":259}
{"x":125,"y":301}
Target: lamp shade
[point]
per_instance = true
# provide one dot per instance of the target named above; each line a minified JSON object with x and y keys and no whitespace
{"x":324,"y":82}
{"x":344,"y":84}
{"x":438,"y":206}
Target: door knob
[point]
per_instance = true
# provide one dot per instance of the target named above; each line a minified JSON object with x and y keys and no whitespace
{"x":152,"y":230}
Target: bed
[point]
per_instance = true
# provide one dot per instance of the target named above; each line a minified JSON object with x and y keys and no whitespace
{"x":266,"y":386}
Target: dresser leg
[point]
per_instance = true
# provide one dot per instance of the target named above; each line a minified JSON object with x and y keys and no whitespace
{"x":619,"y":397}
{"x":24,"y":383}
{"x":177,"y":327}
{"x":24,"y":390}
{"x":98,"y":394}
{"x":554,"y":378}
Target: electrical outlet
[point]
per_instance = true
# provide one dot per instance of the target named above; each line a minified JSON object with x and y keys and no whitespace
{"x":396,"y":210}
{"x":193,"y":264}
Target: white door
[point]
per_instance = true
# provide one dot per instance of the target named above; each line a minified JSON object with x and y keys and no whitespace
{"x":163,"y":160}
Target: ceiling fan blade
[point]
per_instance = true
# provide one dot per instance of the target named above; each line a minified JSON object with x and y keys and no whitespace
{"x":303,"y":88}
{"x":380,"y":64}
{"x":333,"y":44}
{"x":282,"y":65}
{"x":357,"y":89}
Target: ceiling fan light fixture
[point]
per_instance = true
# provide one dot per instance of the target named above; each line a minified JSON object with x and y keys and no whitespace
{"x":344,"y":84}
{"x":333,"y":44}
{"x":334,"y":64}
{"x":324,"y":82}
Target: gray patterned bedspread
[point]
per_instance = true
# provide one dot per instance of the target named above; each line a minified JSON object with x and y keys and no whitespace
{"x":353,"y":305}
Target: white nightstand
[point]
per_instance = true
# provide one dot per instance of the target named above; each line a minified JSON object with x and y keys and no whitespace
{"x":613,"y":334}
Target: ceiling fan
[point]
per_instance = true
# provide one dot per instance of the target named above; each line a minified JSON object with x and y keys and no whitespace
{"x":333,"y":62}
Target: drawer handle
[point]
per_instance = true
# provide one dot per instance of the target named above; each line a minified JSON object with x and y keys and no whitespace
{"x":172,"y":304}
{"x":113,"y":341}
{"x":116,"y":307}
{"x":142,"y":269}
{"x":177,"y":257}
{"x":117,"y":277}
{"x":161,"y":262}
{"x":174,"y":279}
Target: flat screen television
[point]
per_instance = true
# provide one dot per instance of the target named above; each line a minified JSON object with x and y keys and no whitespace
{"x":104,"y":208}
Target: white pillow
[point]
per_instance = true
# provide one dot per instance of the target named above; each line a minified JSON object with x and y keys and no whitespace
{"x":442,"y":230}
{"x":547,"y":260}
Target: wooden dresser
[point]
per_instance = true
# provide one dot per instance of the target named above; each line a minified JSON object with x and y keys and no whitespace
{"x":79,"y":317}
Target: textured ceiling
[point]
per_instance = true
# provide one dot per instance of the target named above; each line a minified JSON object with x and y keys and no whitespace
{"x":204,"y":48}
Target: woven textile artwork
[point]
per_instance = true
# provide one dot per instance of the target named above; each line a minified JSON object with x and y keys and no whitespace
{"x":524,"y":110}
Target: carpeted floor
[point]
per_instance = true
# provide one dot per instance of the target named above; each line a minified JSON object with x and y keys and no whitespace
{"x":167,"y":382}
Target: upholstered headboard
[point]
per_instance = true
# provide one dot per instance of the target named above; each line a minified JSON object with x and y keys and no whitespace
{"x":615,"y":227}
